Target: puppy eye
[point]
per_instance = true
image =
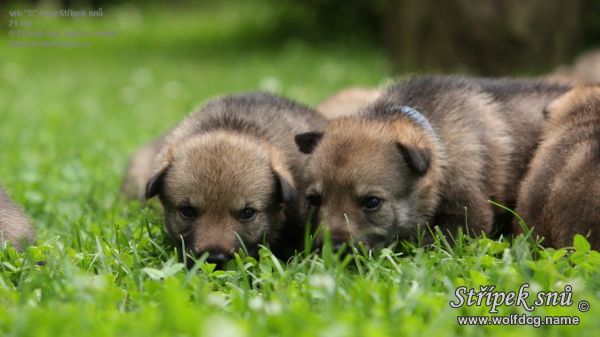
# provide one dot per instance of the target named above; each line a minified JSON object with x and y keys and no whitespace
{"x":371,"y":204}
{"x":188,"y":212}
{"x":247,"y":214}
{"x":314,"y":200}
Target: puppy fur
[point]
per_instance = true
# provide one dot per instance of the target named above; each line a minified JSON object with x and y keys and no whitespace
{"x":347,"y":102}
{"x":236,"y":155}
{"x":140,"y":169}
{"x":522,"y":103}
{"x":560,"y":196}
{"x":585,"y":70}
{"x":443,"y":176}
{"x":14,"y":224}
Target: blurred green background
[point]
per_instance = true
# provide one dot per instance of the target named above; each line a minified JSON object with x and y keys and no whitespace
{"x":70,"y":117}
{"x":487,"y":37}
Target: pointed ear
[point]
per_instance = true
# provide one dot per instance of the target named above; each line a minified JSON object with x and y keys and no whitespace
{"x":568,"y":102}
{"x":155,"y":183}
{"x":307,"y":142}
{"x":418,"y":159}
{"x":285,"y":188}
{"x":283,"y":177}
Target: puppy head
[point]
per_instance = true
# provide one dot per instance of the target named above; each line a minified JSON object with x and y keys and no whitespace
{"x":370,"y":181}
{"x":579,"y":99}
{"x":220,"y":187}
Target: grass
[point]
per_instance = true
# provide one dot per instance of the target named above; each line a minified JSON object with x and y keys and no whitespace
{"x":69,"y":118}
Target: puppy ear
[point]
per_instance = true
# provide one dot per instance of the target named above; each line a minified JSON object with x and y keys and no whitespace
{"x":573,"y":99}
{"x":307,"y":142}
{"x":283,"y":177}
{"x":285,"y":188}
{"x":554,"y":107}
{"x":418,"y":159}
{"x":155,"y":183}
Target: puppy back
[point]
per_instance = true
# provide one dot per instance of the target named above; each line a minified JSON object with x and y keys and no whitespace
{"x":560,"y":195}
{"x":465,"y":119}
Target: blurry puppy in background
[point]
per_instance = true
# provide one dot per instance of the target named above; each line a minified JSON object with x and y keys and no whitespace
{"x":14,"y":224}
{"x":231,"y":172}
{"x":429,"y":150}
{"x":347,"y":102}
{"x":560,"y":196}
{"x":585,"y":70}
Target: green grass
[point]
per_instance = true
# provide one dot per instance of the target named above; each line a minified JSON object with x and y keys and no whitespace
{"x":69,"y":119}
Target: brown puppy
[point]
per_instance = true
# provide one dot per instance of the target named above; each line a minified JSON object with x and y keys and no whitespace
{"x":585,"y":70}
{"x":523,"y":103}
{"x":347,"y":102}
{"x":231,"y":171}
{"x":376,"y":176}
{"x":140,"y":169}
{"x":560,"y":196}
{"x":14,"y":225}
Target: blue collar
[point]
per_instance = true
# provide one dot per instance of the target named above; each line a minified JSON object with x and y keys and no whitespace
{"x":415,"y":116}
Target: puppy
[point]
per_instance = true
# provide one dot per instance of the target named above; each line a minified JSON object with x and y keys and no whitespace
{"x":14,"y":224}
{"x":560,"y":196}
{"x":585,"y":70}
{"x":347,"y":102}
{"x":139,"y":169}
{"x":522,"y":104}
{"x":429,"y":150}
{"x":229,"y":175}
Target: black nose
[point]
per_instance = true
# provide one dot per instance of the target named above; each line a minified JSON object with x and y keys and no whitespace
{"x":338,"y":245}
{"x":218,"y":257}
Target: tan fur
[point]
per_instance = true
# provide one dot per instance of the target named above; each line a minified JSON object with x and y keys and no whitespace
{"x":478,"y":153}
{"x":585,"y":70}
{"x":220,"y":172}
{"x":347,"y":102}
{"x":237,"y":152}
{"x":560,"y":196}
{"x":356,"y":159}
{"x":522,"y":103}
{"x":14,"y":224}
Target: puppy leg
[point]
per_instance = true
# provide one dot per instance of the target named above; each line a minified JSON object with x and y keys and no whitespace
{"x":470,"y":212}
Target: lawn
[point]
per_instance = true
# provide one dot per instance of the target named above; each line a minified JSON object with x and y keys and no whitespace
{"x":69,"y":119}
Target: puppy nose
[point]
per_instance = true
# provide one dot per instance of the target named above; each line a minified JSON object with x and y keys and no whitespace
{"x":339,"y":242}
{"x":338,"y":245}
{"x":218,"y":257}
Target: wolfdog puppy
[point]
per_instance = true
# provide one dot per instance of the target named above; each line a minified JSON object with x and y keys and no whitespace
{"x":560,"y":196}
{"x":229,"y":175}
{"x":429,"y":150}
